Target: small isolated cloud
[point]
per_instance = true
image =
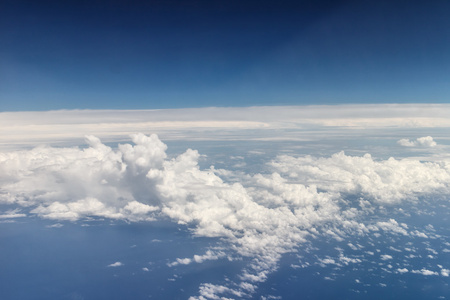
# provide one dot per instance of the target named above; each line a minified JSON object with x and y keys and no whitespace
{"x":116,"y":264}
{"x":209,"y":255}
{"x":426,"y":141}
{"x":386,"y":257}
{"x":57,"y":225}
{"x":425,"y":272}
{"x":401,"y":271}
{"x":180,"y":261}
{"x":445,"y":272}
{"x":348,"y":260}
{"x":327,"y":261}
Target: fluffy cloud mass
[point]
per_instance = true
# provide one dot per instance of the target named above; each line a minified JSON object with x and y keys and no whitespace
{"x":260,"y":216}
{"x":426,"y":141}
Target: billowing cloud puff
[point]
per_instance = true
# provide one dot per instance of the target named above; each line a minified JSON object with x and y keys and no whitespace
{"x":70,"y":183}
{"x":426,"y":141}
{"x":387,"y":181}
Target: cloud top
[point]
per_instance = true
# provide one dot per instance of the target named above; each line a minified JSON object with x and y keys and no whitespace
{"x":426,"y":141}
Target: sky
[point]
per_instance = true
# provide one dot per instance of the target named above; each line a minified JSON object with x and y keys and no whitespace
{"x":178,"y":54}
{"x":210,"y":150}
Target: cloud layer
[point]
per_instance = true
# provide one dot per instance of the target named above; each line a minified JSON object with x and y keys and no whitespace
{"x":260,"y":216}
{"x":27,"y":129}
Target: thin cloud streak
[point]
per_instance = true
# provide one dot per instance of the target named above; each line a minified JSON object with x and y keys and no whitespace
{"x":67,"y":127}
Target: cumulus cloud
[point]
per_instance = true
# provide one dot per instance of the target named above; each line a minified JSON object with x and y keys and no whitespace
{"x":71,"y":183}
{"x":211,"y":291}
{"x":116,"y":264}
{"x":327,"y":261}
{"x":426,"y":141}
{"x":424,"y":272}
{"x":392,"y":226}
{"x":260,"y":216}
{"x":419,"y":234}
{"x":180,"y":261}
{"x":209,"y":255}
{"x":386,"y":181}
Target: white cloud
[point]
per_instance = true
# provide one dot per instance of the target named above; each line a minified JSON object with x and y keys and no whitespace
{"x":70,"y":183}
{"x":12,"y":214}
{"x":353,"y":247}
{"x":348,"y":260}
{"x":394,"y":249}
{"x":385,"y":257}
{"x":57,"y":225}
{"x":260,"y":216}
{"x":116,"y":264}
{"x":137,"y":208}
{"x":392,"y":226}
{"x":386,"y":181}
{"x":403,"y":270}
{"x":209,"y":255}
{"x":426,"y":141}
{"x":424,"y":272}
{"x":432,"y":250}
{"x":419,"y":234}
{"x":180,"y":261}
{"x":211,"y":291}
{"x":25,"y":129}
{"x":327,"y":261}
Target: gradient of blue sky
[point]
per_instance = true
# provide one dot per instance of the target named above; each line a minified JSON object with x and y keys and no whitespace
{"x":170,"y":54}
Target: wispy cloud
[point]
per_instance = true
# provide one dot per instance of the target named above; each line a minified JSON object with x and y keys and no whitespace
{"x":27,"y":129}
{"x":12,"y":214}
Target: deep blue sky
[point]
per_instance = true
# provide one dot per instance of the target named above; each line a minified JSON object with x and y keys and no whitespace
{"x":167,"y":54}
